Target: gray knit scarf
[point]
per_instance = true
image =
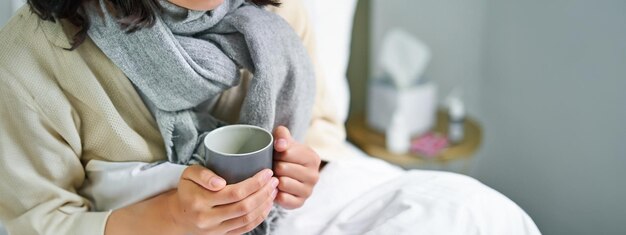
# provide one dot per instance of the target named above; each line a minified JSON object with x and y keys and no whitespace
{"x":188,"y":58}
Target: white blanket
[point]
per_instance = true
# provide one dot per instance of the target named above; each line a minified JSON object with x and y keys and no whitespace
{"x":368,"y":196}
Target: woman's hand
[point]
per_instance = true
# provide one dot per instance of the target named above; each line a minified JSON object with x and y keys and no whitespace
{"x":204,"y":204}
{"x":297,"y":167}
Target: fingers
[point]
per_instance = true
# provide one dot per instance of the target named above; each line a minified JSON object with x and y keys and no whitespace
{"x":294,"y":187}
{"x":199,"y":209}
{"x":249,"y":227}
{"x":289,"y":150}
{"x":289,"y":201}
{"x":296,"y":171}
{"x":297,"y":167}
{"x":299,"y":154}
{"x":203,"y":177}
{"x":251,"y":218}
{"x":282,"y":139}
{"x":250,"y":203}
{"x":239,"y":191}
{"x":195,"y":197}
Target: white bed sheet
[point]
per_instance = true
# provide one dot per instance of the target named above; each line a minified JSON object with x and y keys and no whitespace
{"x":363,"y":195}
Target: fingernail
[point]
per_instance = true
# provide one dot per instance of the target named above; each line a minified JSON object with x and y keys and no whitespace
{"x":217,"y":182}
{"x":281,"y":143}
{"x":274,"y":182}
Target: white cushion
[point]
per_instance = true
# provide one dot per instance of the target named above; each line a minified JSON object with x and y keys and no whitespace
{"x":332,"y":22}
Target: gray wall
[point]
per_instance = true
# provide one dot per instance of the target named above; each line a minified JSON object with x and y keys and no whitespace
{"x":358,"y":67}
{"x":554,"y":101}
{"x":5,"y":12}
{"x":547,"y":79}
{"x":6,"y":9}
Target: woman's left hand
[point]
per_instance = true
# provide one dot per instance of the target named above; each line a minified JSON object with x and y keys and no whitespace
{"x":297,"y":167}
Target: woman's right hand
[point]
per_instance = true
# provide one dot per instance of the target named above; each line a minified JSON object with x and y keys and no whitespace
{"x":204,"y":204}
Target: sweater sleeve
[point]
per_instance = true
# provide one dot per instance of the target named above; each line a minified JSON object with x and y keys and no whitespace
{"x":326,"y":134}
{"x":39,"y":169}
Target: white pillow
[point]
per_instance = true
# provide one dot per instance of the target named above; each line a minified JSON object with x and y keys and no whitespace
{"x":332,"y":22}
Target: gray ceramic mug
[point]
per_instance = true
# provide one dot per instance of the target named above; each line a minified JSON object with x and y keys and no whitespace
{"x":238,"y":152}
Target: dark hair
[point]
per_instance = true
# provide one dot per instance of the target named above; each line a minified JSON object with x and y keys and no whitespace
{"x":131,"y":14}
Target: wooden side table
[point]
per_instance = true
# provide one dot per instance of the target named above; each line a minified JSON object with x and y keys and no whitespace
{"x":373,"y":143}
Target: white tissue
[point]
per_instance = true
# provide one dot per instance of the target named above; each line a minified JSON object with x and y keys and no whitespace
{"x":403,"y":57}
{"x":400,"y":89}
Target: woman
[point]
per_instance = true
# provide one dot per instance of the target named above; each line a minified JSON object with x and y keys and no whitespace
{"x":70,"y":97}
{"x":85,"y":109}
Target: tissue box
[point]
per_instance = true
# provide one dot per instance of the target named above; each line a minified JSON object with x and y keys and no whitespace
{"x":417,"y":104}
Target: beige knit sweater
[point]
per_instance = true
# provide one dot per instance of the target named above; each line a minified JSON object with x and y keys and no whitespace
{"x":60,"y":109}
